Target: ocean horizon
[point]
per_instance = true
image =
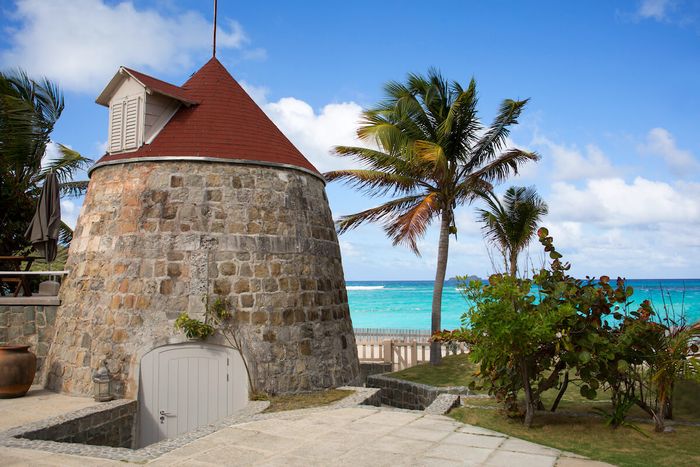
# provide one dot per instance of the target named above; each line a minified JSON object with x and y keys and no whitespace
{"x":396,"y":304}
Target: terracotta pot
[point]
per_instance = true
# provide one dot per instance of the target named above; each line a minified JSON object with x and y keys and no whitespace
{"x":17,"y":368}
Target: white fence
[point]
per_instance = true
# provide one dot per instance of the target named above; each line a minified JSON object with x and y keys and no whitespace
{"x":404,"y":348}
{"x":380,"y":334}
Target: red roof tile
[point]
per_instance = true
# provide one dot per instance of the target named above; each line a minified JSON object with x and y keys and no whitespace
{"x":225,"y":124}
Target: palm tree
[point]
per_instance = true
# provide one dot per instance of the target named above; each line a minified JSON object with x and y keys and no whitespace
{"x":432,"y":155}
{"x":29,"y":110}
{"x":511,"y":224}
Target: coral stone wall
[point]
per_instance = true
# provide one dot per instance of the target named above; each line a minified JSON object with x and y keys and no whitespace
{"x":154,"y":238}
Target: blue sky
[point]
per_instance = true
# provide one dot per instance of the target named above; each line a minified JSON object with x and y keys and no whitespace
{"x":613,"y":85}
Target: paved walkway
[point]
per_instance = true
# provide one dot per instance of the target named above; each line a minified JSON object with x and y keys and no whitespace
{"x":358,"y":436}
{"x":364,"y":436}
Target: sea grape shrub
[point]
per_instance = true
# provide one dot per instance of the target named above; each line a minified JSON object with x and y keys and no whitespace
{"x":533,"y":341}
{"x":604,"y":344}
{"x":514,"y":340}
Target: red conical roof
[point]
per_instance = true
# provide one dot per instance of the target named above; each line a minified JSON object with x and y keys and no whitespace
{"x":225,"y":124}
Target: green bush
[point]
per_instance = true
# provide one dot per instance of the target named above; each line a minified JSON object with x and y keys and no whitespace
{"x":554,"y":330}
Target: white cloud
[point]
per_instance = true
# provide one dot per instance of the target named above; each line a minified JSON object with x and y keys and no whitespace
{"x":258,"y":54}
{"x":350,"y":250}
{"x":69,"y":212}
{"x":614,"y":202}
{"x":101,"y":147}
{"x":660,"y":142}
{"x":570,"y":163}
{"x":316,"y":133}
{"x":654,"y":9}
{"x":81,"y":43}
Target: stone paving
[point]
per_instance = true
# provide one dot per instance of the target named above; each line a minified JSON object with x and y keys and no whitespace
{"x":39,"y":404}
{"x":337,"y":435}
{"x":365,"y":436}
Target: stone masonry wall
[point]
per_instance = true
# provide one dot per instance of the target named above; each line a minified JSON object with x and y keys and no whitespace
{"x":31,"y":325}
{"x":409,"y":395}
{"x":155,"y":238}
{"x":403,"y":394}
{"x":105,"y":425}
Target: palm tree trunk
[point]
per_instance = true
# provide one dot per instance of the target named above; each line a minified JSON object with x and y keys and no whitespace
{"x":443,"y":246}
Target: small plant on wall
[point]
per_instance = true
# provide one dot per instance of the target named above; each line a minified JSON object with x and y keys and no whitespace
{"x":193,"y":328}
{"x":217,"y":318}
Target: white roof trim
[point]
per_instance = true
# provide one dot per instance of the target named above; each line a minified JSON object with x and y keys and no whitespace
{"x":108,"y":91}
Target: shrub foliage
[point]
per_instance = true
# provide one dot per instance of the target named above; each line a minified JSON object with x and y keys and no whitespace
{"x":528,"y":336}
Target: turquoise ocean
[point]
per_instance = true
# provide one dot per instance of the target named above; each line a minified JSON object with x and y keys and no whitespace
{"x":407,"y":304}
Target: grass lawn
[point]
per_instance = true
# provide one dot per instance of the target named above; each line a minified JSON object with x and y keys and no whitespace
{"x":573,"y":428}
{"x":455,"y":370}
{"x":588,"y":436}
{"x":306,"y":400}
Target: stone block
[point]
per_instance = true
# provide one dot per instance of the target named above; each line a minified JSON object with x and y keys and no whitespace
{"x":222,"y":286}
{"x":28,"y":313}
{"x":246,"y":300}
{"x":50,"y":313}
{"x":259,"y":318}
{"x":241,"y":286}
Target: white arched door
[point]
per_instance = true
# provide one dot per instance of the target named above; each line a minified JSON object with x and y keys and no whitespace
{"x":185,"y":386}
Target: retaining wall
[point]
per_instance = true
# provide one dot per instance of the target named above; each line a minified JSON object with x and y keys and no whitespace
{"x":406,"y":394}
{"x":106,"y":425}
{"x":31,"y":325}
{"x":373,"y":368}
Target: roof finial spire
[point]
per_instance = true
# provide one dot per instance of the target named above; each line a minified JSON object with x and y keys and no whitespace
{"x":214,"y":41}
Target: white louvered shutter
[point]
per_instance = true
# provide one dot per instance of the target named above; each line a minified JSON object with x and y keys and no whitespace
{"x":131,"y":123}
{"x":116,"y":131}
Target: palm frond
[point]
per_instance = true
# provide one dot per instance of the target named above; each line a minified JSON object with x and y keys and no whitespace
{"x":29,"y":110}
{"x":433,"y":154}
{"x":374,"y":182}
{"x":65,"y":234}
{"x":504,"y":165}
{"x":67,"y":165}
{"x":493,"y":141}
{"x":510,"y":224}
{"x":379,"y":213}
{"x":373,"y":159}
{"x":386,"y":135}
{"x":408,"y":227}
{"x":74,"y":189}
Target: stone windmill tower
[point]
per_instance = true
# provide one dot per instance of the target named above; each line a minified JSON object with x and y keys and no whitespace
{"x":201,"y":195}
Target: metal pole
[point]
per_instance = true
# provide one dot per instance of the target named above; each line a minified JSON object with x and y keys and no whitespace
{"x":214,"y":45}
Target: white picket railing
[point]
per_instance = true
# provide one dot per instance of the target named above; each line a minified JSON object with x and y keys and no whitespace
{"x":400,"y":353}
{"x":380,"y":334}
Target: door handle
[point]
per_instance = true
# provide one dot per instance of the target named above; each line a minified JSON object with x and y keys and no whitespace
{"x":163,"y":413}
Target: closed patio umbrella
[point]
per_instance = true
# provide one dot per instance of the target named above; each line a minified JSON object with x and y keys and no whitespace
{"x":43,"y":231}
